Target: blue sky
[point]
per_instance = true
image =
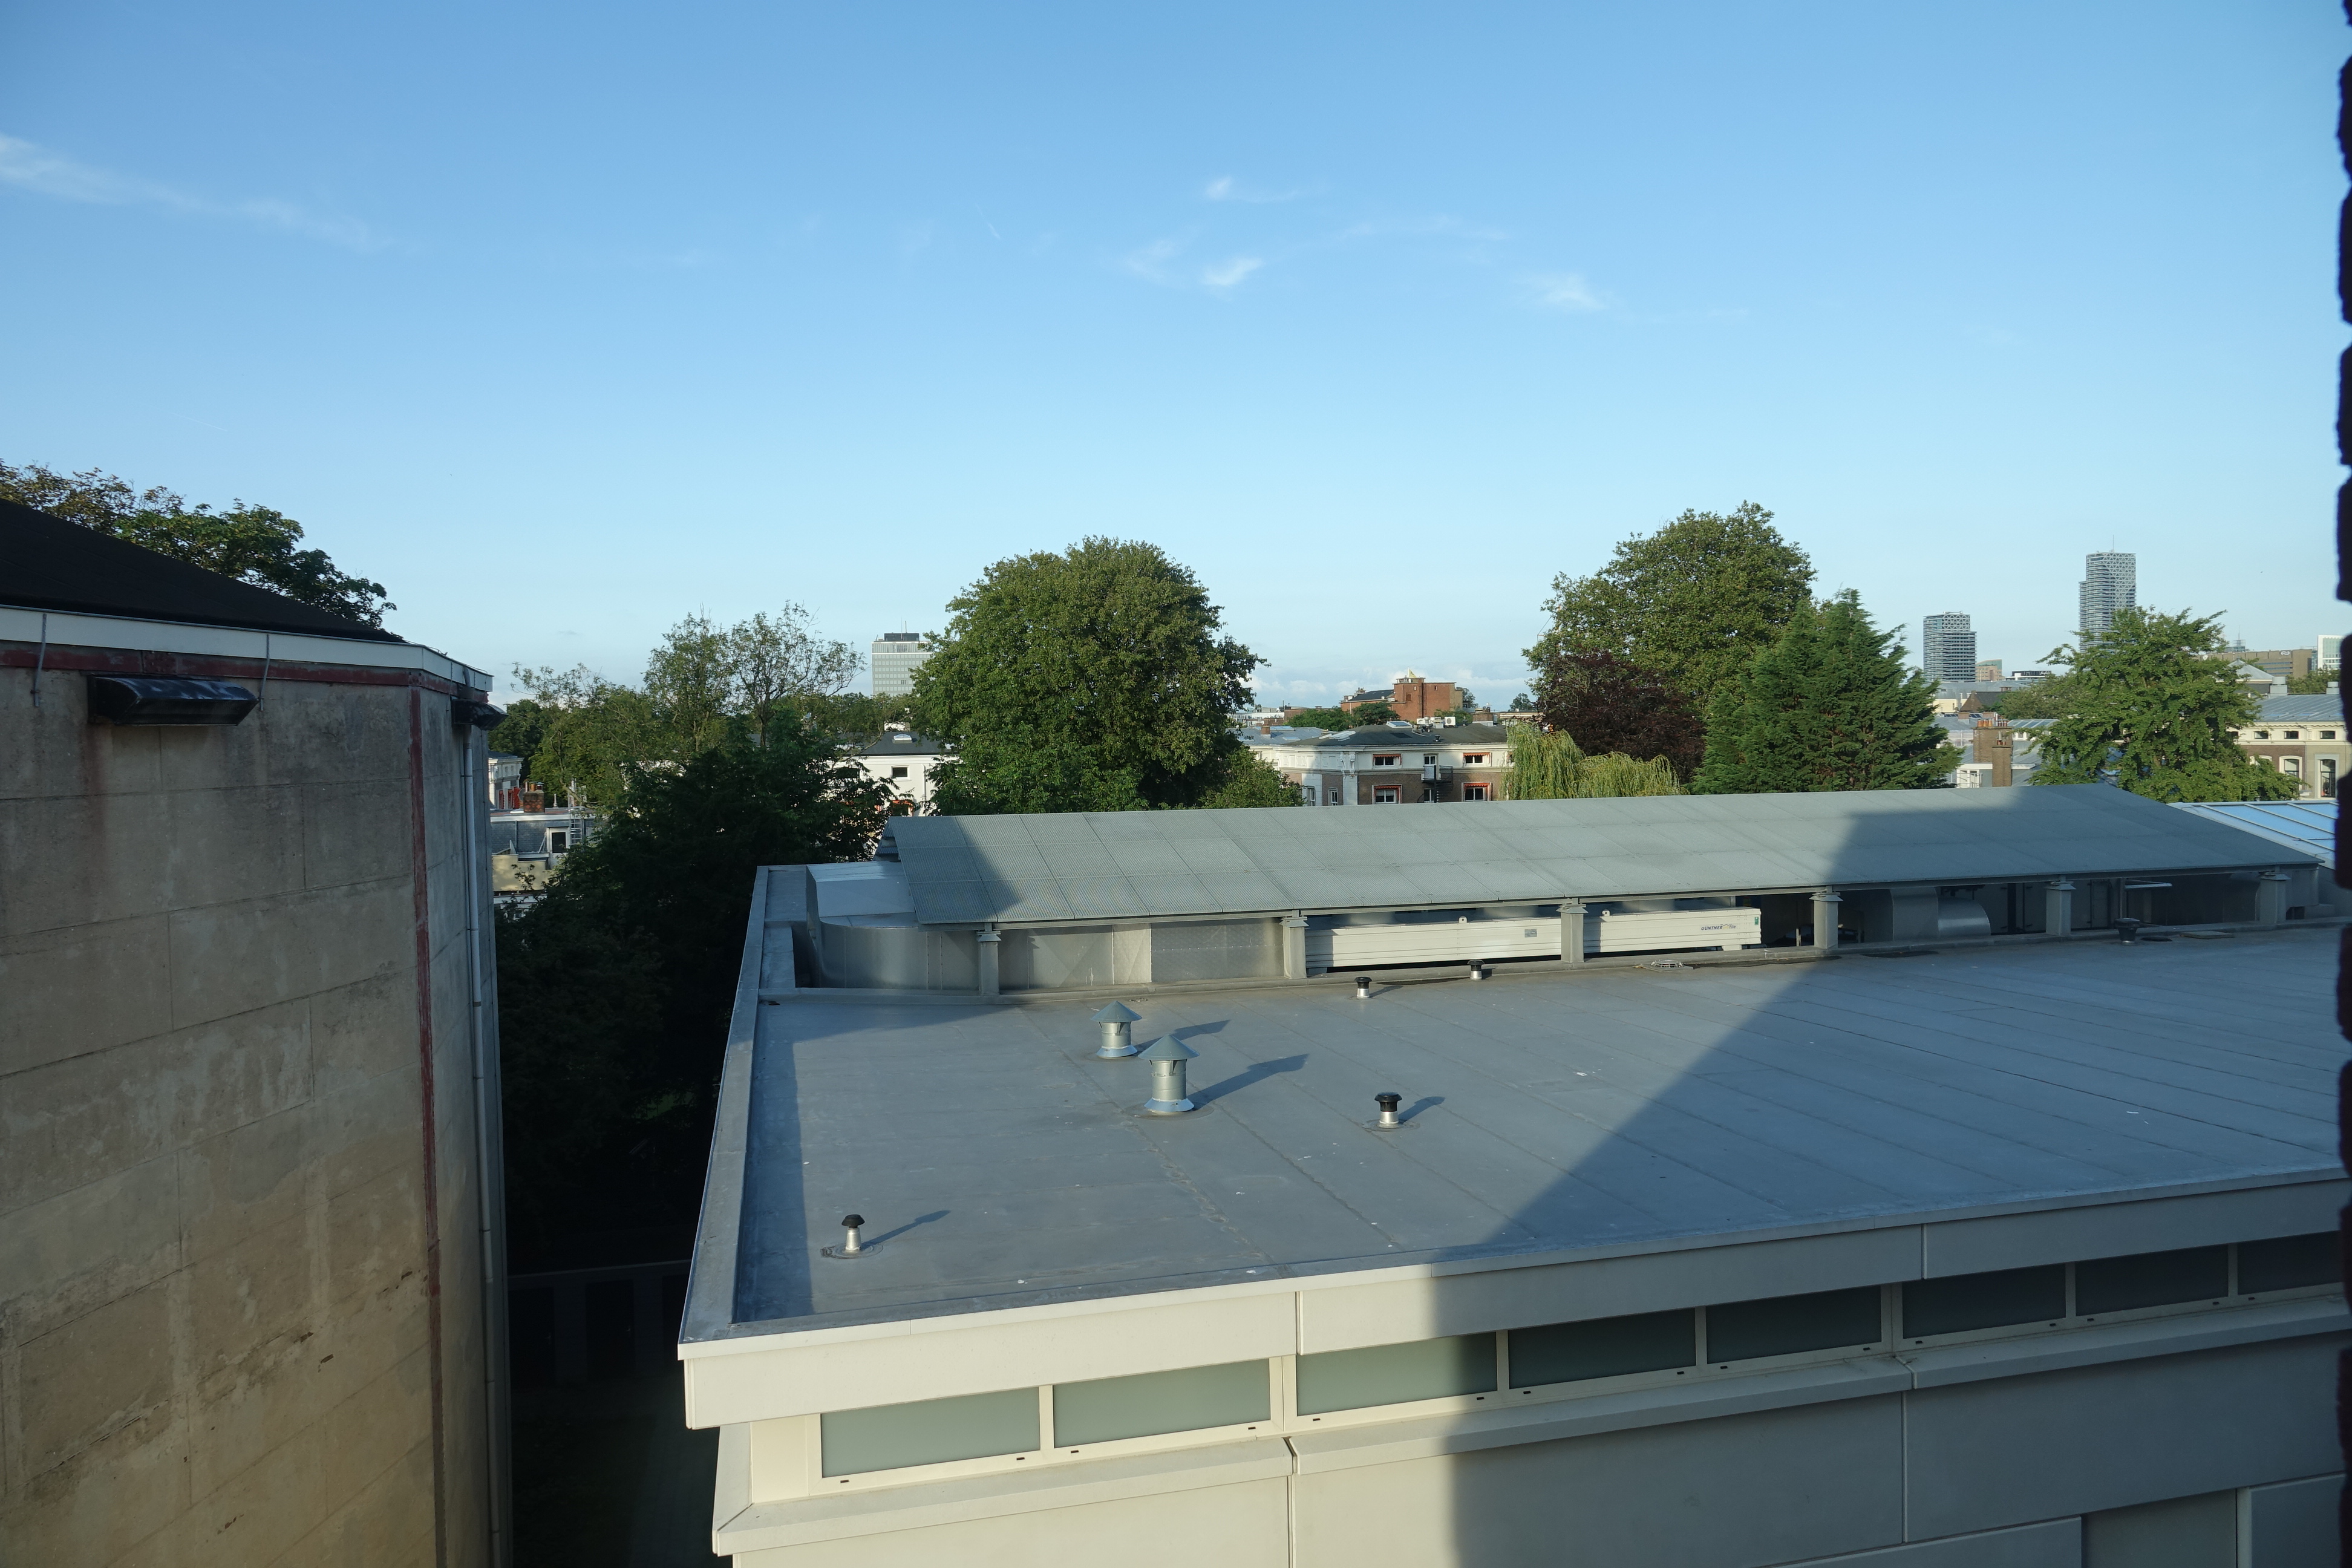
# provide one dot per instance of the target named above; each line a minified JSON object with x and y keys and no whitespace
{"x":566,"y":322}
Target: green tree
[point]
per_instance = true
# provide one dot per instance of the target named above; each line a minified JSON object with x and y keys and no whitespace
{"x":1548,"y":764}
{"x":2054,"y":698}
{"x":616,"y":988}
{"x":779,"y":665}
{"x":1249,"y":781}
{"x":1622,"y":708}
{"x":2156,"y":710}
{"x":2314,"y":684}
{"x":855,"y":715}
{"x":1369,"y":713}
{"x":1830,"y":706}
{"x":1693,"y":602}
{"x":690,"y":680}
{"x":255,"y":544}
{"x":522,"y":731}
{"x":1101,"y":669}
{"x":596,"y":732}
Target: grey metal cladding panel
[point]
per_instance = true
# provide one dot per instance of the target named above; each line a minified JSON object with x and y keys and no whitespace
{"x":1353,"y":888}
{"x":954,"y":903}
{"x":1143,"y":858}
{"x":1070,"y":828}
{"x":980,"y":829}
{"x":1102,"y":897}
{"x":1204,"y":855}
{"x":1070,"y":861}
{"x":1031,"y":899}
{"x":1536,"y":881}
{"x":1008,"y":859}
{"x":2012,"y":1449}
{"x":1450,"y":883}
{"x":1246,"y":892}
{"x":1176,"y":894}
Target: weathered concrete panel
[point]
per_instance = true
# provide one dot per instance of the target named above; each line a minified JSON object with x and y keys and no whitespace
{"x":83,"y":988}
{"x":2020,"y":1448}
{"x":231,"y":960}
{"x":89,"y":1378}
{"x":1742,"y":1491}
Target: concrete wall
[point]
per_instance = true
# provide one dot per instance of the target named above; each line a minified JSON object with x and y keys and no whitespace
{"x":218,"y":1223}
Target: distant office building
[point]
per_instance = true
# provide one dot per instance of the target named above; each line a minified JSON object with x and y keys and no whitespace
{"x":1989,"y":669}
{"x":2330,"y":651}
{"x":1948,"y":648}
{"x":894,"y":655}
{"x":2028,"y":676}
{"x":2110,"y":583}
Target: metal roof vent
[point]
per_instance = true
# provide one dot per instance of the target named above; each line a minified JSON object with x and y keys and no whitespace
{"x":166,"y":700}
{"x":1118,"y":1023}
{"x":1168,"y":1056}
{"x":1389,"y":1117}
{"x":852,"y":1244}
{"x":1363,"y":987}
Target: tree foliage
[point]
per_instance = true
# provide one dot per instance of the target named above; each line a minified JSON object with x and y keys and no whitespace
{"x":1095,"y":680}
{"x":2313,"y":683}
{"x":1550,"y":765}
{"x":1830,"y":706}
{"x":2053,"y":698}
{"x":2156,"y":710}
{"x":1360,"y":717}
{"x":615,"y":986}
{"x":703,"y":683}
{"x":1693,"y":602}
{"x":1609,"y":704}
{"x":254,"y":545}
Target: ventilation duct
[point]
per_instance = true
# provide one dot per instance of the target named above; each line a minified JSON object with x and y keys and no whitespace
{"x":166,"y":700}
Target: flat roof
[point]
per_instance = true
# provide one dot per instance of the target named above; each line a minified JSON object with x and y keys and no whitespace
{"x":999,"y":1163}
{"x":965,"y":870}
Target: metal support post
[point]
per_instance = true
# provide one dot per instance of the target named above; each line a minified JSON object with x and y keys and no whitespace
{"x":990,"y":942}
{"x":2058,"y":907}
{"x":1571,"y":931}
{"x":1294,"y":948}
{"x":1825,"y":920}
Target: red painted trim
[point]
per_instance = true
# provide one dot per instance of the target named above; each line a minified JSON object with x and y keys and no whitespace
{"x":124,"y":661}
{"x":421,"y":904}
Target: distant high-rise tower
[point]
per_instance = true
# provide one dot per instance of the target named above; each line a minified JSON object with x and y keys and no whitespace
{"x":1948,"y":648}
{"x":895,"y":657}
{"x":2110,"y":583}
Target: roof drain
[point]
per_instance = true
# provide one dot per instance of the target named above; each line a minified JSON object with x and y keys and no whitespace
{"x":1168,"y":1056}
{"x":1390,"y":1121}
{"x":1117,"y":1022}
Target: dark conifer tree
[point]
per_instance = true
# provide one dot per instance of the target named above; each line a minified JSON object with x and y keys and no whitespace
{"x":1829,"y":706}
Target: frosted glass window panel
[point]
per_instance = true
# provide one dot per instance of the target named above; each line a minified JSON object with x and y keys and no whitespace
{"x":929,"y":1432}
{"x":1784,"y":1325}
{"x":1603,"y":1347}
{"x":1110,"y":1408}
{"x":2151,"y":1279}
{"x":1994,"y":1300}
{"x":1216,"y":949}
{"x":2289,"y":1263}
{"x":1396,"y":1375}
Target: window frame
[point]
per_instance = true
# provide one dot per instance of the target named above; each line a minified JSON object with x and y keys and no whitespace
{"x":1386,"y":794}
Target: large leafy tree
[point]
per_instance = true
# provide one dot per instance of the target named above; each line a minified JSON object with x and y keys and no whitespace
{"x":1693,"y":602}
{"x":615,"y":987}
{"x":2155,"y":709}
{"x":1095,"y":679}
{"x":703,"y":684}
{"x":1830,"y":706}
{"x":1609,"y":704}
{"x":256,"y":544}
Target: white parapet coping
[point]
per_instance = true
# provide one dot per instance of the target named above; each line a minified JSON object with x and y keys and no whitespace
{"x":64,"y":628}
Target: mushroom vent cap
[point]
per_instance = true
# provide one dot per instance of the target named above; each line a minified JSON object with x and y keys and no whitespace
{"x":1117,"y":1012}
{"x":1168,"y":1048}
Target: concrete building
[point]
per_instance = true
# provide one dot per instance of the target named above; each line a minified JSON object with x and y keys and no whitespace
{"x":1989,"y":669}
{"x":1948,"y":648}
{"x":2015,"y":1256}
{"x":250,"y":1276}
{"x":895,"y":658}
{"x":1396,"y":763}
{"x":1002,"y":904}
{"x":2110,"y":583}
{"x":2302,"y":737}
{"x":1412,"y":697}
{"x":2280,"y":663}
{"x":904,"y":761}
{"x":2328,"y":651}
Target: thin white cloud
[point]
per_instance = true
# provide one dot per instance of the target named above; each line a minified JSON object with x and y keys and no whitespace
{"x":29,"y":168}
{"x":1225,"y":188}
{"x":1150,"y":262}
{"x":1225,"y":274}
{"x":1565,"y":291}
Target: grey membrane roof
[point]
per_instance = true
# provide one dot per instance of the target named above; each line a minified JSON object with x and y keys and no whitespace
{"x":1408,"y":739}
{"x":2309,"y":826}
{"x":999,"y":1163}
{"x":1138,"y":864}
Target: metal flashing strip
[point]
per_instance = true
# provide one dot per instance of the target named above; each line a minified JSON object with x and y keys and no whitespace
{"x":75,"y":630}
